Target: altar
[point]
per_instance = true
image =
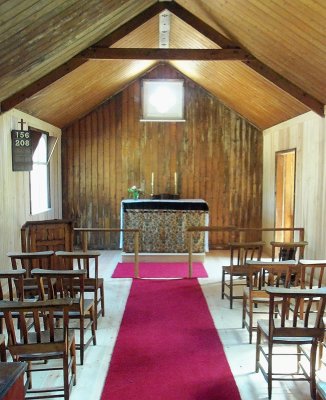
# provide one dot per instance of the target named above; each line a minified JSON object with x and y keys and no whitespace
{"x":163,"y":225}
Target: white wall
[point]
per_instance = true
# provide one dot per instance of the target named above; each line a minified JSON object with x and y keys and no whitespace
{"x":307,"y":134}
{"x":14,"y":186}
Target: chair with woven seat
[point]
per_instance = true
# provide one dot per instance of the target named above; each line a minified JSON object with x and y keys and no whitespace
{"x":288,"y":250}
{"x":282,"y":330}
{"x":240,"y":252}
{"x":262,"y":274}
{"x":44,"y":343}
{"x":54,"y":284}
{"x":93,"y":284}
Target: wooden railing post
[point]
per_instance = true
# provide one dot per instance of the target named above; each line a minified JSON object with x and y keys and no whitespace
{"x":136,"y":245}
{"x":85,"y":241}
{"x":190,"y":254}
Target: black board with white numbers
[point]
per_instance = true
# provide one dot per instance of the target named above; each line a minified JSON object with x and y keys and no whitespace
{"x":22,"y":150}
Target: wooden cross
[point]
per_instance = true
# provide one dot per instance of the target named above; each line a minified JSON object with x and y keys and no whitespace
{"x":21,"y":123}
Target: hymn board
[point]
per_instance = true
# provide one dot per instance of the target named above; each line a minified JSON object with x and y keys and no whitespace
{"x":22,"y":149}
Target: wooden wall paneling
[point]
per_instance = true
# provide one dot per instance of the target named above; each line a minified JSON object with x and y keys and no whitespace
{"x":307,"y":135}
{"x":100,"y":176}
{"x":215,"y":153}
{"x":77,"y":167}
{"x":180,"y":130}
{"x":112,"y":179}
{"x":82,"y":218}
{"x":88,"y":176}
{"x":107,"y":200}
{"x":174,"y":167}
{"x":95,"y":154}
{"x":70,"y":169}
{"x":164,"y":165}
{"x":121,"y":181}
{"x":212,"y":158}
{"x":66,"y":207}
{"x":186,"y":145}
{"x":15,"y":193}
{"x":133,"y":150}
{"x":146,"y":164}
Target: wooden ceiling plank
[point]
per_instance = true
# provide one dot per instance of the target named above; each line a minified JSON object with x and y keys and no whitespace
{"x":24,"y":14}
{"x":131,"y":25}
{"x":41,"y":83}
{"x":164,"y":54}
{"x":278,"y":80}
{"x":74,"y":63}
{"x":200,"y":25}
{"x":265,"y":71}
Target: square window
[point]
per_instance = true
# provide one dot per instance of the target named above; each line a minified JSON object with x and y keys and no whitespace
{"x":163,"y":100}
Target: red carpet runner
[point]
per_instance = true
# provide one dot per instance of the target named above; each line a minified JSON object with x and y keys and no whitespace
{"x":167,"y":347}
{"x":160,"y":270}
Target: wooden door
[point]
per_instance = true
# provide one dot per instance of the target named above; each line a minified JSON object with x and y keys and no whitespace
{"x":284,"y":193}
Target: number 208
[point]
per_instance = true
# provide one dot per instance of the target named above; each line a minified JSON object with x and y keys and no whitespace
{"x":22,"y":142}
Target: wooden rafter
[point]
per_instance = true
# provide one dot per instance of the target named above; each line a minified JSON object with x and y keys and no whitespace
{"x":164,"y":54}
{"x":102,"y":47}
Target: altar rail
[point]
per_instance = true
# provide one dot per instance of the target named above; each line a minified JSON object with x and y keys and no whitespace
{"x":236,"y":232}
{"x":85,"y":231}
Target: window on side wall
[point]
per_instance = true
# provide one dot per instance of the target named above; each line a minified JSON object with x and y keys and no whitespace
{"x":40,"y":175}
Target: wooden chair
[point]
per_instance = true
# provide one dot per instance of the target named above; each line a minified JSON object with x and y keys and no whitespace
{"x":59,"y":284}
{"x":260,"y":275}
{"x":280,"y":330}
{"x":93,"y":284}
{"x":288,"y":250}
{"x":28,"y":261}
{"x":240,"y":252}
{"x":3,"y":354}
{"x":312,"y":273}
{"x":44,"y":343}
{"x":312,"y":277}
{"x":11,"y":288}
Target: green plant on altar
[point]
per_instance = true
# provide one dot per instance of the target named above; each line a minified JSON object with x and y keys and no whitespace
{"x":135,"y":192}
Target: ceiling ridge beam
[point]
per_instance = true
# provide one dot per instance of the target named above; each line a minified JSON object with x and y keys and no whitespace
{"x":268,"y":73}
{"x":74,"y":62}
{"x":164,"y":54}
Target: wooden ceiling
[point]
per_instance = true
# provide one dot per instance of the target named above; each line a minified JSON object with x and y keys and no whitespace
{"x":272,"y":66}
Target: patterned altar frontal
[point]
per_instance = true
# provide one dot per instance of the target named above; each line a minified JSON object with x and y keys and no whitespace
{"x":163,"y":225}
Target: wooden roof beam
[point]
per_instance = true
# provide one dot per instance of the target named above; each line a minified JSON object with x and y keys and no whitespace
{"x":262,"y":69}
{"x":164,"y":54}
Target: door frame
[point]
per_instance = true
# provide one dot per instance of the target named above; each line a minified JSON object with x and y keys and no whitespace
{"x":284,"y":236}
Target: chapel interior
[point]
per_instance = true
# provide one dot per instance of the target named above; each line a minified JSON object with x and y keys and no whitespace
{"x":98,"y":170}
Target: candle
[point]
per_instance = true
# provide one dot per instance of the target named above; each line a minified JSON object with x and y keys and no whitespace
{"x":175,"y":183}
{"x":152,"y":183}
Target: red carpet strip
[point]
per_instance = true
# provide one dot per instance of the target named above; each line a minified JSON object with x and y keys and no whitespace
{"x":167,"y":347}
{"x":160,"y":270}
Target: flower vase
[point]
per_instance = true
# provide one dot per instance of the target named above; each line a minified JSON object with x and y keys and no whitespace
{"x":135,"y":195}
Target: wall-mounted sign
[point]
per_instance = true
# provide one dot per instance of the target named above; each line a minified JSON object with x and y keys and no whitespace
{"x":22,"y":150}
